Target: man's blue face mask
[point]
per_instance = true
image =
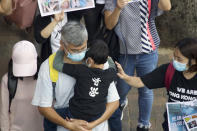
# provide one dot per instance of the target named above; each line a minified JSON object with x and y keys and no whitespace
{"x":76,"y":56}
{"x":179,"y":66}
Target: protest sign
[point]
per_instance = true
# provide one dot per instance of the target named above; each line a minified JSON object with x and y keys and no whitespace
{"x":49,"y":7}
{"x":176,"y":113}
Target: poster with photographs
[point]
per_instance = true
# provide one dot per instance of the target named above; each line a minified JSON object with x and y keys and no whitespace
{"x":176,"y":113}
{"x":49,"y":7}
{"x":191,"y":122}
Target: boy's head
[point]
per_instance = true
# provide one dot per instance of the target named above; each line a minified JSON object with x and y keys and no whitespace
{"x":97,"y":53}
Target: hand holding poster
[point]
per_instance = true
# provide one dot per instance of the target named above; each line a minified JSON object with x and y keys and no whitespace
{"x":49,"y":7}
{"x":177,"y":111}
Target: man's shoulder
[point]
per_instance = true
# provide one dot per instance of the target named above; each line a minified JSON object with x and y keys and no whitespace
{"x":45,"y":64}
{"x":44,"y":68}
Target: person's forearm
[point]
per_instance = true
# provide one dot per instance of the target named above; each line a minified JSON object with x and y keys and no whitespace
{"x":111,"y":18}
{"x":134,"y":81}
{"x":110,"y":109}
{"x":52,"y":115}
{"x":46,"y":32}
{"x":164,"y":5}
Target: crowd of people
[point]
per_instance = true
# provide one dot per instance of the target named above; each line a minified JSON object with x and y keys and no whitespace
{"x":74,"y":84}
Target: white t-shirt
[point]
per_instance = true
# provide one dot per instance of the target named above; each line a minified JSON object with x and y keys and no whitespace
{"x":64,"y":90}
{"x":56,"y":34}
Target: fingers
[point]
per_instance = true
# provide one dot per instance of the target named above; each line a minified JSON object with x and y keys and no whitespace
{"x":118,"y":66}
{"x":119,"y":75}
{"x":122,"y":3}
{"x":80,"y":122}
{"x":68,"y":119}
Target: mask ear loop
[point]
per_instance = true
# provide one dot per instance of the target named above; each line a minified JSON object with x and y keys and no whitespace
{"x":86,"y":61}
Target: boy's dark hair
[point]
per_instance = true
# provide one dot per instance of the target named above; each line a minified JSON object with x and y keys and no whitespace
{"x":98,"y":51}
{"x":188,"y":48}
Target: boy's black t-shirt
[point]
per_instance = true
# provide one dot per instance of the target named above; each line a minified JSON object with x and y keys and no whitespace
{"x":90,"y":90}
{"x":180,"y":89}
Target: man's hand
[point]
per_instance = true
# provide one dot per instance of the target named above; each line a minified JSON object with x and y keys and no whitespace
{"x":121,"y":3}
{"x":59,"y":17}
{"x":90,"y":126}
{"x":77,"y":125}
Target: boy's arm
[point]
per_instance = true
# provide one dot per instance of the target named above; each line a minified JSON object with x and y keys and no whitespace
{"x":58,"y":61}
{"x":73,"y":70}
{"x":111,"y":63}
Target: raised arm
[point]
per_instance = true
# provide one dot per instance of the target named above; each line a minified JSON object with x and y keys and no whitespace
{"x":131,"y":80}
{"x":46,"y":32}
{"x":164,"y":5}
{"x":111,"y":18}
{"x":6,"y":7}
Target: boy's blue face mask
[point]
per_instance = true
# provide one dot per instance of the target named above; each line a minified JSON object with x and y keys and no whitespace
{"x":179,"y":66}
{"x":76,"y":56}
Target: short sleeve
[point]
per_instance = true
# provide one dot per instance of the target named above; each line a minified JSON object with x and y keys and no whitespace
{"x":156,"y":78}
{"x":110,"y":5}
{"x":43,"y":95}
{"x":112,"y":93}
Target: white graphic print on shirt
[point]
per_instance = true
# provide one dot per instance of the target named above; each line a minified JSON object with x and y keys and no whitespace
{"x":182,"y":94}
{"x":94,"y":90}
{"x":96,"y":81}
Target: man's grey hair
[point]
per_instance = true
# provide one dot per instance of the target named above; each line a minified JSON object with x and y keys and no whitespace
{"x":74,"y":33}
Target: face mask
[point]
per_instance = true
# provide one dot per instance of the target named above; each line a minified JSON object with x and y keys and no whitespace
{"x":76,"y":56}
{"x":179,"y":66}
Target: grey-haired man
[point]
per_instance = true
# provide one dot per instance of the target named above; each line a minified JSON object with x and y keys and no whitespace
{"x":75,"y":35}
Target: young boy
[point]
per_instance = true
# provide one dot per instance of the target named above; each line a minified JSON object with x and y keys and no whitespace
{"x":92,"y":82}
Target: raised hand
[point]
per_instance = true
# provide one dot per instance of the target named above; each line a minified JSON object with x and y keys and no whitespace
{"x":121,"y":72}
{"x":59,"y":17}
{"x":121,"y":3}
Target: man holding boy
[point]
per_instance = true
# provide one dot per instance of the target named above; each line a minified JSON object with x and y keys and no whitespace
{"x":75,"y":35}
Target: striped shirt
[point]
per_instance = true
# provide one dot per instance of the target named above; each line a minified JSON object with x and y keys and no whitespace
{"x":129,"y":25}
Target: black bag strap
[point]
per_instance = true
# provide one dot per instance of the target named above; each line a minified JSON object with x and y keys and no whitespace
{"x":12,"y":84}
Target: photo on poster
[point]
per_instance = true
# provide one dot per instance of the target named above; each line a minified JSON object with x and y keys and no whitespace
{"x":177,"y":111}
{"x":49,"y":7}
{"x":191,"y":122}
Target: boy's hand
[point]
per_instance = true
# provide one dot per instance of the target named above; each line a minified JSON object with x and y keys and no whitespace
{"x":121,"y":72}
